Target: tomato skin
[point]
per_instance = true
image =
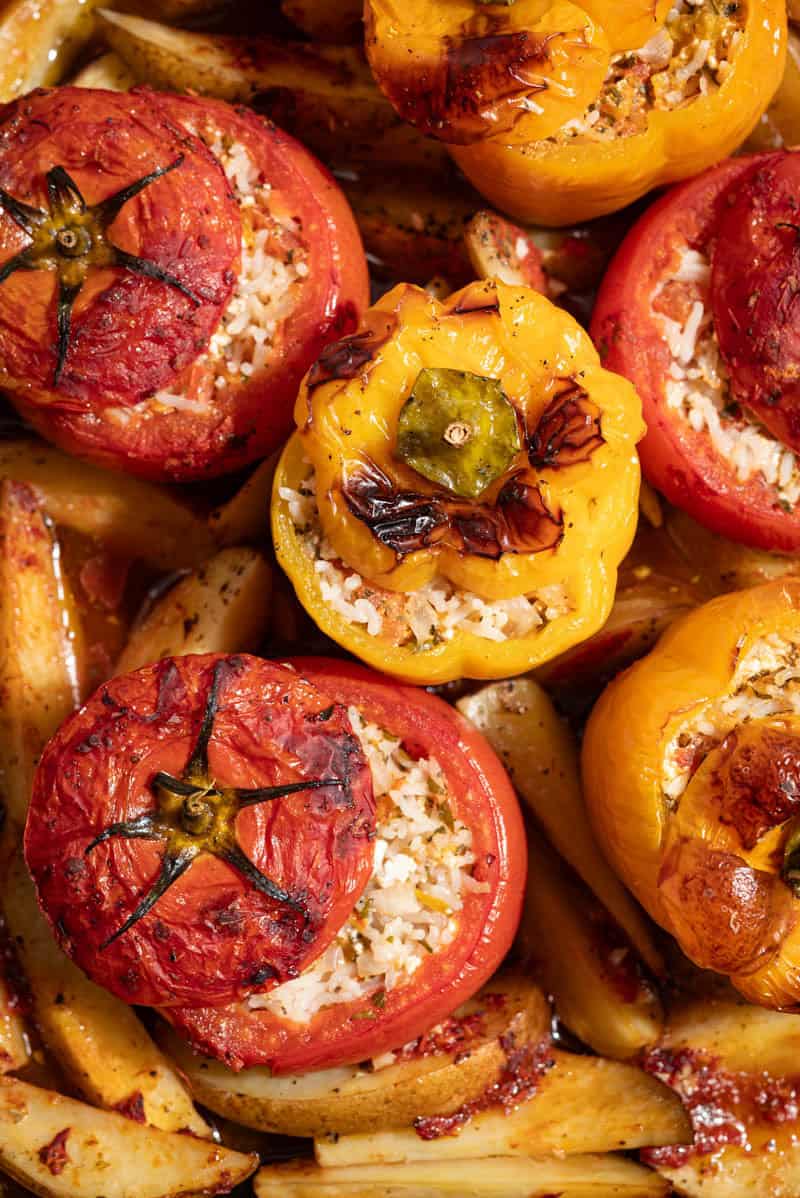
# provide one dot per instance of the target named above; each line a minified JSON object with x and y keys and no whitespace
{"x":245,"y":420}
{"x":212,"y":936}
{"x":130,"y":334}
{"x":678,"y":461}
{"x":754,"y":292}
{"x":484,"y":798}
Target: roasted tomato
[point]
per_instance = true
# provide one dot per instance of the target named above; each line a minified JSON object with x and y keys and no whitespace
{"x":695,"y":311}
{"x":189,"y":263}
{"x":438,"y":914}
{"x":201,"y":829}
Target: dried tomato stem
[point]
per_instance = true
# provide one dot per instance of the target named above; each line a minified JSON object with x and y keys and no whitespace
{"x":173,"y":865}
{"x":236,"y":858}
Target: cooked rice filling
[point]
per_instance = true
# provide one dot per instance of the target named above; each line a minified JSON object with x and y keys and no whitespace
{"x":421,"y":872}
{"x":698,"y":387}
{"x":423,"y":618}
{"x":690,"y":57}
{"x":766,"y":683}
{"x":274,"y":264}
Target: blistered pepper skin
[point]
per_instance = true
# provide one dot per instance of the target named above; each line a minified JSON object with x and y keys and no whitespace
{"x":560,"y":184}
{"x":578,"y":475}
{"x":707,"y":864}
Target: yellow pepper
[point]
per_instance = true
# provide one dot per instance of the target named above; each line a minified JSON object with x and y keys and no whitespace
{"x":691,"y":768}
{"x":653,"y":122}
{"x":470,"y":454}
{"x":465,"y":70}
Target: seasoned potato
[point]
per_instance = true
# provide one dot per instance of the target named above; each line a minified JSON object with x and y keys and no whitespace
{"x":349,"y":1099}
{"x":244,"y":519}
{"x":326,"y":20}
{"x":539,"y":752}
{"x":133,"y":518}
{"x":223,"y":607}
{"x":582,"y":1104}
{"x":99,"y":1042}
{"x":41,"y":650}
{"x":325,"y":95}
{"x":62,"y":1148}
{"x":14,"y":1051}
{"x":108,"y":72}
{"x":580,"y":957}
{"x":39,"y":39}
{"x":574,"y":1177}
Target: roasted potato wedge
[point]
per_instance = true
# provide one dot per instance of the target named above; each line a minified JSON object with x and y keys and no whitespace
{"x":574,"y":1177}
{"x":582,"y":1104}
{"x":325,"y":95}
{"x":412,"y":228}
{"x":41,"y":667}
{"x":108,"y":72}
{"x":14,"y":1049}
{"x":98,"y":1040}
{"x":244,"y":519}
{"x":222,"y":607}
{"x":60,"y":1147}
{"x":582,"y":958}
{"x":736,"y":1067}
{"x":498,"y":249}
{"x":780,"y":124}
{"x":134,"y":518}
{"x":326,"y":20}
{"x":39,"y":40}
{"x":724,"y":565}
{"x":519,"y":721}
{"x":348,"y":1100}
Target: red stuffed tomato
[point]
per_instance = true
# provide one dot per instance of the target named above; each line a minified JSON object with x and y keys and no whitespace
{"x":437,"y":915}
{"x":694,"y":312}
{"x":188,"y":262}
{"x":201,"y":829}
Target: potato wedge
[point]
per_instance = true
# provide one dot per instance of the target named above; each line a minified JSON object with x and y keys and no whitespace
{"x":580,"y":957}
{"x":108,"y":72}
{"x":223,"y":607}
{"x":736,"y":1066}
{"x":574,"y":1177}
{"x":348,"y":1100}
{"x":413,"y":228}
{"x":539,"y":752}
{"x":498,"y":249}
{"x":41,"y":668}
{"x":326,"y":20}
{"x":724,"y":565}
{"x":98,"y":1040}
{"x":61,"y":1147}
{"x":136,"y":519}
{"x":583,"y":1104}
{"x":244,"y":519}
{"x":14,"y":1047}
{"x":39,"y":39}
{"x":780,"y":124}
{"x":325,"y":95}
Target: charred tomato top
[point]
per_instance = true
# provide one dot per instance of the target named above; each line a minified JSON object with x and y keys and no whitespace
{"x":119,"y":243}
{"x":201,"y":829}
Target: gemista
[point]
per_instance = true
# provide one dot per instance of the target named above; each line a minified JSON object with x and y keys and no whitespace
{"x":692,"y":774}
{"x":559,"y":112}
{"x":462,"y":486}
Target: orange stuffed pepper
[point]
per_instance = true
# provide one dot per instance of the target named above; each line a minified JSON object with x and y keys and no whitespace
{"x":560,"y":112}
{"x":692,"y":775}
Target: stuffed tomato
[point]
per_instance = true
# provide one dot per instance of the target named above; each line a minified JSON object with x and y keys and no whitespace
{"x":462,"y":486}
{"x":169,"y":268}
{"x":697,"y":311}
{"x":303,"y":864}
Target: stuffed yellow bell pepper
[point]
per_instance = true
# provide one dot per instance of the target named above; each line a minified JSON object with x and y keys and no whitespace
{"x":666,"y":110}
{"x":462,"y":486}
{"x":691,"y":769}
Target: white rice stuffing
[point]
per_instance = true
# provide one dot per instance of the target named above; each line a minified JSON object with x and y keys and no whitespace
{"x":426,"y":617}
{"x":698,"y":388}
{"x":676,"y":66}
{"x":421,"y":872}
{"x":766,"y":683}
